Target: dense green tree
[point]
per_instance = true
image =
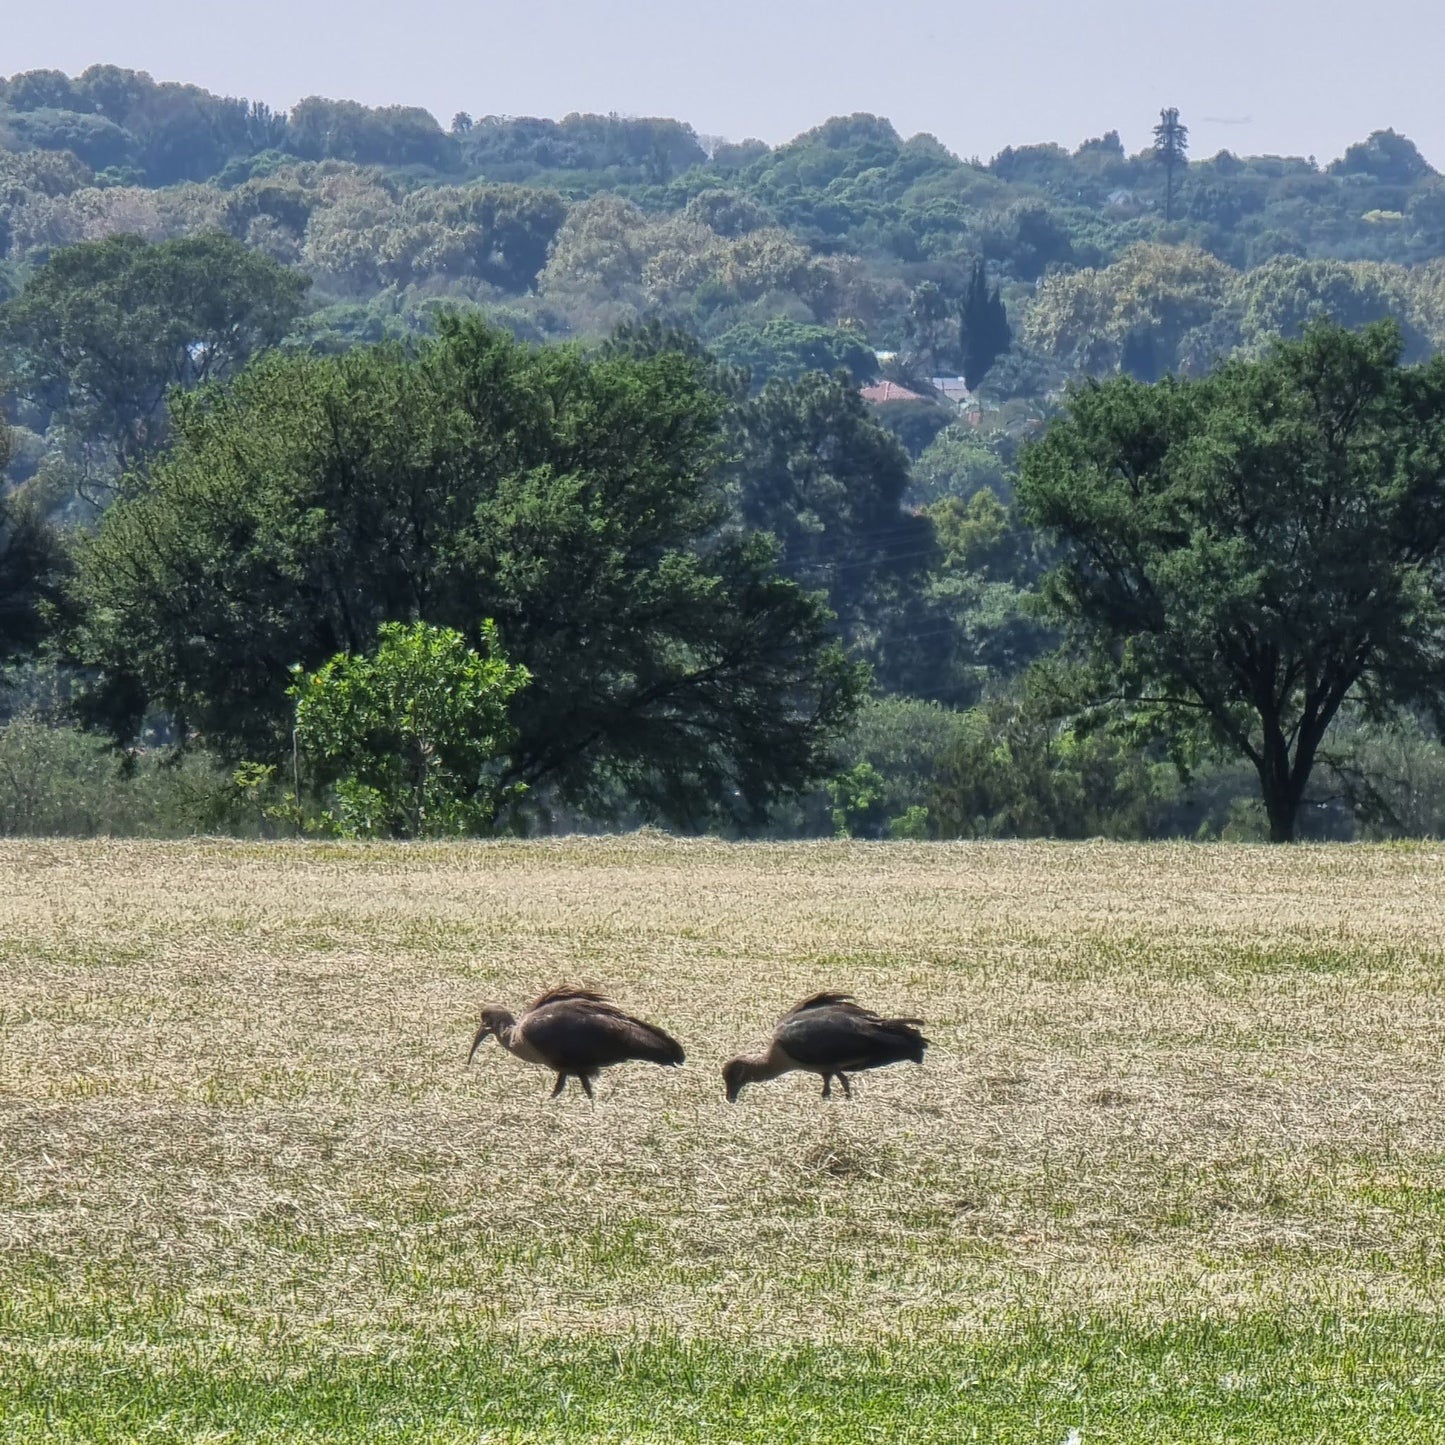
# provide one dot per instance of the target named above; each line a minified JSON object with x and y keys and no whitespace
{"x":1385,"y":156}
{"x":1027,"y":237}
{"x":497,"y":234}
{"x":788,"y":350}
{"x":904,"y":739}
{"x":958,"y":463}
{"x":620,"y":148}
{"x":40,"y":90}
{"x":170,"y":132}
{"x":1013,"y":772}
{"x":815,"y":471}
{"x":1141,"y":314}
{"x":1282,"y":297}
{"x":727,"y":213}
{"x":575,"y":500}
{"x":929,"y":314}
{"x":1242,"y":555}
{"x":96,"y":141}
{"x":102,"y":331}
{"x":982,"y":585}
{"x":322,"y":129}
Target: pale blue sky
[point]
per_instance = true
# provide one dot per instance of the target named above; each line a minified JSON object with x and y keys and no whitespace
{"x":1303,"y":77}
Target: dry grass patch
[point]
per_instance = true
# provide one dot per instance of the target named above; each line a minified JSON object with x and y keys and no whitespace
{"x":1167,"y":1083}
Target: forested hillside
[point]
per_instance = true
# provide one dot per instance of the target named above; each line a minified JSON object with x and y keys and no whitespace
{"x":155,"y":238}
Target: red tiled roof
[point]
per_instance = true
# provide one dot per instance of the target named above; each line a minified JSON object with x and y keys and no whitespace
{"x":882,"y":391}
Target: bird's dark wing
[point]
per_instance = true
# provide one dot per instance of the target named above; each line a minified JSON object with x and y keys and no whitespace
{"x":580,"y":1035}
{"x":843,"y":1036}
{"x":823,"y":1000}
{"x":563,"y":992}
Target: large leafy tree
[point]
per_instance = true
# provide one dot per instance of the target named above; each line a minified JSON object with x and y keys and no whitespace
{"x":1155,"y":309}
{"x":103,"y":330}
{"x":1244,"y":554}
{"x":788,"y":350}
{"x":574,"y":499}
{"x":816,"y":471}
{"x":1384,"y":156}
{"x":813,"y":469}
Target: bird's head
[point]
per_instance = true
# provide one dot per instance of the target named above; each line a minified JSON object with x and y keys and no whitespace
{"x":735,"y":1076}
{"x":495,"y":1021}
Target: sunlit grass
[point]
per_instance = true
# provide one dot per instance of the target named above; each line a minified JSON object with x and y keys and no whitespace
{"x":1173,"y":1171}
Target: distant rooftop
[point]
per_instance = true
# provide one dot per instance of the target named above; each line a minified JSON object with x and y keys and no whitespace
{"x":885,"y":391}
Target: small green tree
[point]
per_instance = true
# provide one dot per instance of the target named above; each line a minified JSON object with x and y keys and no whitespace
{"x":857,"y":802}
{"x":408,"y":734}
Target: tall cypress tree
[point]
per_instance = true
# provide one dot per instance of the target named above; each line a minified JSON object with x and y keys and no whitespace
{"x":1171,"y":150}
{"x":983,"y":329}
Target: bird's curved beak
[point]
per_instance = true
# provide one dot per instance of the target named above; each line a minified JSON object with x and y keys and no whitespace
{"x":483,"y":1034}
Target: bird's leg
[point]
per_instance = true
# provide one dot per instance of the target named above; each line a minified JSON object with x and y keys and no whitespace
{"x":561,"y":1084}
{"x":586,"y":1086}
{"x":827,"y":1086}
{"x":847,"y":1092}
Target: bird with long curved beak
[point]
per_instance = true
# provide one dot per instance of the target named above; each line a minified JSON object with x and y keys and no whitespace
{"x":576,"y":1033}
{"x":827,"y":1034}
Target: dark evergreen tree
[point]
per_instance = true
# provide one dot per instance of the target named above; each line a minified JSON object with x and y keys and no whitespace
{"x":983,"y":329}
{"x":1171,"y":149}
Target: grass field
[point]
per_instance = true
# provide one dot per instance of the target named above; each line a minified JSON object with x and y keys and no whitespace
{"x":1174,"y":1170}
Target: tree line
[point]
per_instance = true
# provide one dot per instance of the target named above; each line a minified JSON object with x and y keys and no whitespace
{"x":669,"y":594}
{"x":258,"y":418}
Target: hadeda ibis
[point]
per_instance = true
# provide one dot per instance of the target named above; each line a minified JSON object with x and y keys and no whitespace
{"x":830,"y":1035}
{"x":575,"y":1033}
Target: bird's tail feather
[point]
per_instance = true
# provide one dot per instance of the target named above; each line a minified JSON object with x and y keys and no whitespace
{"x":659,"y":1047}
{"x":903,"y":1033}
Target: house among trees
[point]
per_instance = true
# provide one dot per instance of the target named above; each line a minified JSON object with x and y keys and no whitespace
{"x":882,"y":392}
{"x":953,"y":388}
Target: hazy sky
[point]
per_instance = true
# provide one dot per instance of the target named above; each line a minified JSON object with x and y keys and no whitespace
{"x":1303,"y":77}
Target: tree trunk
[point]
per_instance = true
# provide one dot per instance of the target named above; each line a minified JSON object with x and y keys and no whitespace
{"x":1282,"y":815}
{"x":1282,"y":780}
{"x":1279,"y":785}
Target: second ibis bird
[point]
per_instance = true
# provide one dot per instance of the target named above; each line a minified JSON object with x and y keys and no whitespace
{"x":830,"y":1035}
{"x":576,"y":1033}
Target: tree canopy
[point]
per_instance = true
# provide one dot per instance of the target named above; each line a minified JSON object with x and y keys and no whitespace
{"x":783,"y":310}
{"x":1243,"y":554}
{"x":103,"y":331}
{"x":575,"y":500}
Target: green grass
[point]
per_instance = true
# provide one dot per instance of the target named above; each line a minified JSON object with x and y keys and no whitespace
{"x":1332,"y":1377}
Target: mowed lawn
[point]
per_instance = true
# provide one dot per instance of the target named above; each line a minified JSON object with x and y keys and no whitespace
{"x":1174,"y":1169}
